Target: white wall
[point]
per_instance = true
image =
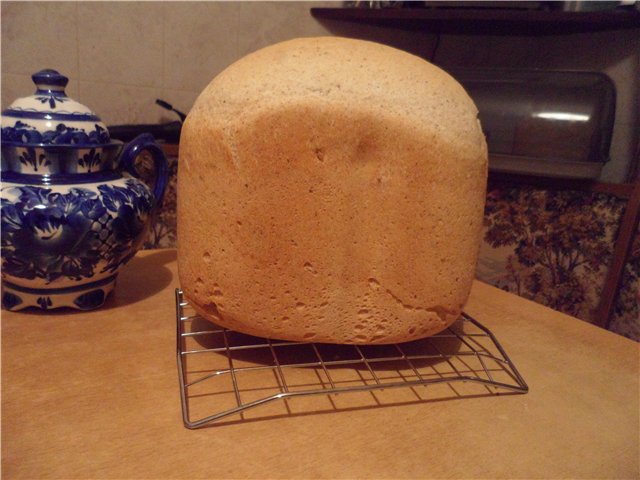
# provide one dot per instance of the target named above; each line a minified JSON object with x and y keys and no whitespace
{"x":121,"y":56}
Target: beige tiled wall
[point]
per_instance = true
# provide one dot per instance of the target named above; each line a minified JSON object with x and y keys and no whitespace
{"x":121,"y":56}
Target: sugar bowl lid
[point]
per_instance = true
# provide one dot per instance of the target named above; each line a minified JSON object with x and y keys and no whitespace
{"x":49,"y":117}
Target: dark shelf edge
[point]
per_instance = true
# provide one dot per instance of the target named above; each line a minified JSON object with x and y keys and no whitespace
{"x":487,"y":21}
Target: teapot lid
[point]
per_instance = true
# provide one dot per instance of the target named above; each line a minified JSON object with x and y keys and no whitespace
{"x":50,"y":117}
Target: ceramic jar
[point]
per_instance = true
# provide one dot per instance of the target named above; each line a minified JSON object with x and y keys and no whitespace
{"x":74,"y":210}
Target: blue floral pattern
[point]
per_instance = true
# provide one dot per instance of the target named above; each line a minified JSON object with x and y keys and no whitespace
{"x":129,"y":210}
{"x":75,"y":235}
{"x":22,"y":132}
{"x":45,"y":302}
{"x":90,"y":160}
{"x":30,"y":158}
{"x":51,"y":97}
{"x":10,"y":300}
{"x":90,"y":300}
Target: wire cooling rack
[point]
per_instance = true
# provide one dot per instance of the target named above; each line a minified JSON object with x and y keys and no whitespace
{"x":224,"y":373}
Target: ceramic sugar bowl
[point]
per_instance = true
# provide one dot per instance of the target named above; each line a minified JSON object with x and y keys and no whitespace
{"x":74,"y":209}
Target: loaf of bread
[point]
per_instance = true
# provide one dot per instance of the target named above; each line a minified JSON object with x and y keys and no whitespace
{"x":331,"y":190}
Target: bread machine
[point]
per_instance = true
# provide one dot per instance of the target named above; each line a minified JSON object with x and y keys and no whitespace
{"x":545,"y":123}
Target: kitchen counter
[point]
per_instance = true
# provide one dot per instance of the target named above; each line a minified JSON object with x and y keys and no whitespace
{"x":95,"y":395}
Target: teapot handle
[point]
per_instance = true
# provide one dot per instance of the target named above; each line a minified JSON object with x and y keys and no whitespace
{"x":131,"y":151}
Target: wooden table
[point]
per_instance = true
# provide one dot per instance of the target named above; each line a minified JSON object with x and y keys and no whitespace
{"x":95,"y":395}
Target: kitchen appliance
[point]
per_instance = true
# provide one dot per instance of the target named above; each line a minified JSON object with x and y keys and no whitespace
{"x":164,"y":132}
{"x":545,"y":123}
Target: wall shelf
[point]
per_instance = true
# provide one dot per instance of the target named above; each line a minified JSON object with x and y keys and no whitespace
{"x":487,"y":21}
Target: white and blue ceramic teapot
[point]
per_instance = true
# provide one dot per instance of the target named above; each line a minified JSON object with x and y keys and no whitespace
{"x":73,"y":207}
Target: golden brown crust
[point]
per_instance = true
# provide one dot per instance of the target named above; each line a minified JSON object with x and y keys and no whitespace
{"x":331,"y":190}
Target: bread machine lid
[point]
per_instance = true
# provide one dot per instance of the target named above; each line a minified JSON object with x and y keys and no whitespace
{"x":545,"y":123}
